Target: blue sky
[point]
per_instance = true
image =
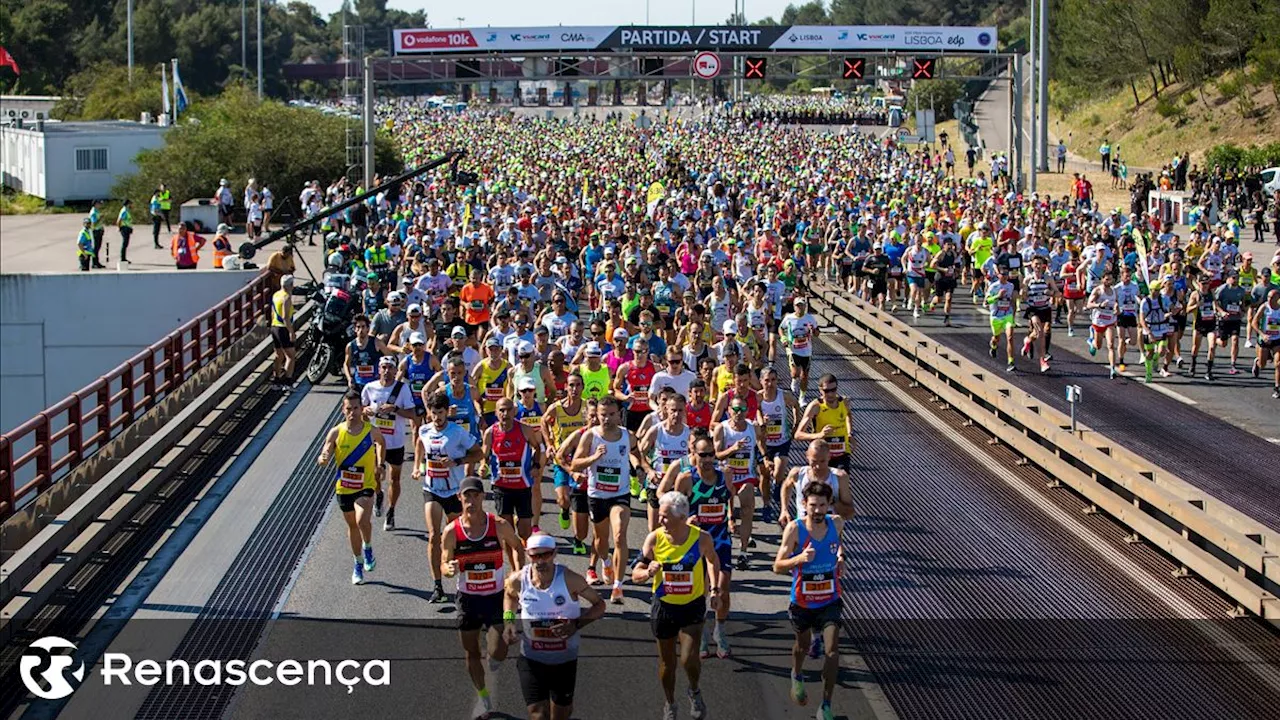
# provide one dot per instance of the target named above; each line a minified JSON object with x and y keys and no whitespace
{"x":577,"y":12}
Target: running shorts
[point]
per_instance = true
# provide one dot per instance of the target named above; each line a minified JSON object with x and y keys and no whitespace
{"x":347,"y":501}
{"x":803,"y":619}
{"x":1179,"y":322}
{"x":1044,"y":314}
{"x":1000,"y":325}
{"x":451,"y":504}
{"x":479,"y":611}
{"x":1204,"y":327}
{"x":280,"y":338}
{"x":776,"y":451}
{"x":599,"y":508}
{"x":562,"y":477}
{"x":667,"y":620}
{"x":395,"y":456}
{"x":1228,"y":327}
{"x":1269,"y":344}
{"x":945,"y":285}
{"x":801,"y":361}
{"x":633,"y":418}
{"x":578,"y":502}
{"x":540,"y":682}
{"x":1127,"y":321}
{"x":513,"y":501}
{"x":916,"y":281}
{"x":1100,"y":330}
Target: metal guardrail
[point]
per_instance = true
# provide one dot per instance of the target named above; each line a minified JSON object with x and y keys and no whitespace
{"x":1222,"y":545}
{"x":37,"y":453}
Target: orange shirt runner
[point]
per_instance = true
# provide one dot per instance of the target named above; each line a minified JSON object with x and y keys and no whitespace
{"x":476,"y":298}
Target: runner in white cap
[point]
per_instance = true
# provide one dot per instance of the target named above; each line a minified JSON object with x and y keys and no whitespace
{"x":543,"y":606}
{"x":388,"y":404}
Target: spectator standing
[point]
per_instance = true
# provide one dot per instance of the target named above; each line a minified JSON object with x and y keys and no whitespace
{"x":99,"y":228}
{"x":1062,"y":157}
{"x":225,"y":201}
{"x":124,"y":221}
{"x":221,"y":245}
{"x":1105,"y":152}
{"x":84,"y":245}
{"x":280,"y":264}
{"x":157,"y":216}
{"x":268,"y":204}
{"x":186,"y":248}
{"x":166,"y":204}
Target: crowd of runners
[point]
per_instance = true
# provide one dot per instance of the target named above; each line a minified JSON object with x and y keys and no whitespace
{"x":615,"y":319}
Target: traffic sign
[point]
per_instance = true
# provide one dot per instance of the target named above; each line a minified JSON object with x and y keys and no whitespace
{"x":853,"y":68}
{"x":706,"y":65}
{"x":922,"y":68}
{"x":756,"y":67}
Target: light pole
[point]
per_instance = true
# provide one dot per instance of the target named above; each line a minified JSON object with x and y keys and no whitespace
{"x":244,"y":39}
{"x":259,"y":49}
{"x":128,"y":10}
{"x":1044,"y":85}
{"x":460,"y":20}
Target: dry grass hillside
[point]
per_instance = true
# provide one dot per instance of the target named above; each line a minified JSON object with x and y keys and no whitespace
{"x":1185,"y":118}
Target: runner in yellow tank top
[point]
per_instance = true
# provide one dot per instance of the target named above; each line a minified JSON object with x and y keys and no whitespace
{"x":490,"y":380}
{"x":830,"y":420}
{"x":359,"y":454}
{"x":675,"y":558}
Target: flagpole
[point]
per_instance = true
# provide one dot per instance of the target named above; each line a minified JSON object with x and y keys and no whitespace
{"x":259,"y":49}
{"x":164,"y":93}
{"x":129,"y":20}
{"x":175,"y":90}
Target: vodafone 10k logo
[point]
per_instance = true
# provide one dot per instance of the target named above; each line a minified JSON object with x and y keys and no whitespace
{"x":46,"y":666}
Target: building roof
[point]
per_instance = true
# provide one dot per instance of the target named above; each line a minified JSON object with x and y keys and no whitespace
{"x":96,"y":126}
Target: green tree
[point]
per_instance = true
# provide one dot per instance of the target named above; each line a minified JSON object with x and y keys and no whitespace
{"x":103,"y":92}
{"x":236,"y":136}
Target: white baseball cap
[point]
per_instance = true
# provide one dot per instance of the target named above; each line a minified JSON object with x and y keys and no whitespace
{"x":540,"y":541}
{"x":526,"y":383}
{"x":417,"y":338}
{"x":730,"y":327}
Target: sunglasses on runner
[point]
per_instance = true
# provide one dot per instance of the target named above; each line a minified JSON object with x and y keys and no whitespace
{"x":706,"y":454}
{"x":828,"y":389}
{"x":675,"y":360}
{"x":739,"y":408}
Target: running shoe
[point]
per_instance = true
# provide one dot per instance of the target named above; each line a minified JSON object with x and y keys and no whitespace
{"x":564,"y":520}
{"x":722,"y":644}
{"x":390,"y":522}
{"x":743,"y":562}
{"x":635,"y":487}
{"x":697,"y":707}
{"x":357,"y":575}
{"x":915,"y":313}
{"x":1209,"y":376}
{"x":1164,"y":373}
{"x":483,"y":708}
{"x":1256,"y":370}
{"x":1122,"y":367}
{"x":704,"y":648}
{"x":798,"y":694}
{"x":1248,"y":343}
{"x":1009,"y":368}
{"x":592,"y":577}
{"x":946,"y":320}
{"x":993,"y":347}
{"x":437,"y":595}
{"x":669,"y":711}
{"x":824,"y":712}
{"x":815,"y":647}
{"x":1234,"y":370}
{"x":616,"y":597}
{"x":1178,"y":361}
{"x":608,"y":575}
{"x":1276,"y":394}
{"x":1071,"y":332}
{"x":369,"y":561}
{"x":377,"y":504}
{"x":1113,"y":373}
{"x":1044,"y":365}
{"x":1093,"y":349}
{"x":1026,"y":348}
{"x":579,"y":547}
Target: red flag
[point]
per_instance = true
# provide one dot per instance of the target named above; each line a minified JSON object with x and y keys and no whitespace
{"x":7,"y":59}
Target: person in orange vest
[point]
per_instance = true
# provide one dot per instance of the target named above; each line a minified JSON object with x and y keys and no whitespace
{"x":221,"y":245}
{"x":186,"y":247}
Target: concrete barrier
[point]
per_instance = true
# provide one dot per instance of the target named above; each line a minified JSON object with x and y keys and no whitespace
{"x":1224,"y":546}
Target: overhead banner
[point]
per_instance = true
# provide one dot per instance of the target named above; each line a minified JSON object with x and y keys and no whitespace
{"x":677,"y":38}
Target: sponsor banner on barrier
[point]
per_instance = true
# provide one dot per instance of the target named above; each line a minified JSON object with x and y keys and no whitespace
{"x":886,"y":37}
{"x":675,"y":38}
{"x":508,"y":39}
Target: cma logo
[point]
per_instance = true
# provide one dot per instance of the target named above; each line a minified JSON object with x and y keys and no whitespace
{"x":45,"y":673}
{"x":573,"y":37}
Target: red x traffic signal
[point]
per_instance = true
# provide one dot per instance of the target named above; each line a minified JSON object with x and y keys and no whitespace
{"x":755,"y":67}
{"x":922,"y":68}
{"x":853,"y":68}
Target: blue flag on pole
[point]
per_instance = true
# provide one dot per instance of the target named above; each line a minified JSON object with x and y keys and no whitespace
{"x":179,"y":93}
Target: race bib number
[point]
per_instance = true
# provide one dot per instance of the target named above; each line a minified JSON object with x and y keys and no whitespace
{"x":480,"y":581}
{"x":493,"y":392}
{"x":739,"y":465}
{"x":836,"y":445}
{"x":1101,"y":317}
{"x":773,"y":433}
{"x":417,"y":386}
{"x":800,"y":341}
{"x":711,"y":514}
{"x":385,"y":425}
{"x":510,"y":471}
{"x":365,"y":371}
{"x":476,"y":305}
{"x":640,"y":396}
{"x":677,"y":582}
{"x":608,"y":479}
{"x":817,"y":587}
{"x":351,"y":479}
{"x":542,"y":636}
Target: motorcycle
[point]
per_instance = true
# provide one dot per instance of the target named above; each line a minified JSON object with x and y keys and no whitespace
{"x":330,"y":329}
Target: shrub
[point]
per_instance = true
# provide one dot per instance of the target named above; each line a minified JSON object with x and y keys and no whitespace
{"x":1226,"y":156}
{"x":1167,"y":108}
{"x":1231,"y":86}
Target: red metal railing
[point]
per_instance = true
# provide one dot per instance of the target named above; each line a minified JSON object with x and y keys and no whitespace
{"x":35,"y":454}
